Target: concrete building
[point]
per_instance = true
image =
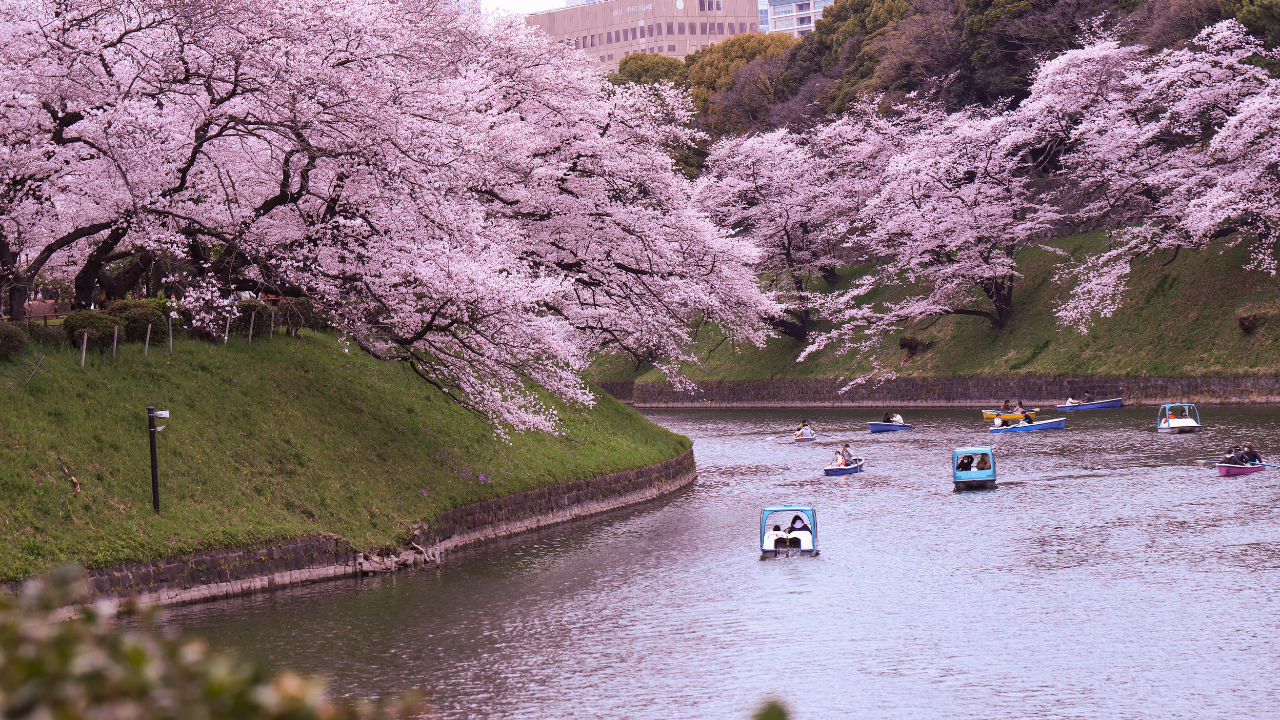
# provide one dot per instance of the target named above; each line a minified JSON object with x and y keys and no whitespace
{"x":612,"y":29}
{"x":796,"y":18}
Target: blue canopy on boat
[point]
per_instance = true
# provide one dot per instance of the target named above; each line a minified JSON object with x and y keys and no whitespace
{"x":1174,"y":408}
{"x":806,"y":510}
{"x":972,"y":474}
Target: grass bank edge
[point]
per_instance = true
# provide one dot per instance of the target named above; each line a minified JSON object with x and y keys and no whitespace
{"x":269,"y":441}
{"x":1179,"y":319}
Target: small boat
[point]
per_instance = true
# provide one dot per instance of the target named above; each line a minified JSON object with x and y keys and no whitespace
{"x":856,"y":467}
{"x":1233,"y":469}
{"x":1178,"y":418}
{"x":1095,"y":405}
{"x":1055,"y":424}
{"x":992,"y":414}
{"x":878,"y":427}
{"x":788,"y":542}
{"x":800,"y":439}
{"x":973,"y":479}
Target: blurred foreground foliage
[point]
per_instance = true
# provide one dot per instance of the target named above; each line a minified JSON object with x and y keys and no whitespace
{"x":88,"y":667}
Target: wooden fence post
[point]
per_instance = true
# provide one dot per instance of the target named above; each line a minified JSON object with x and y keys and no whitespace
{"x":226,"y":332}
{"x":252,"y":317}
{"x":170,"y":334}
{"x":115,"y":339}
{"x":84,"y":345}
{"x":146,"y":347}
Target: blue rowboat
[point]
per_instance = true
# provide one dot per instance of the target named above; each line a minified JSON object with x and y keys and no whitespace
{"x":1055,"y":424}
{"x":856,"y":467}
{"x":886,"y":427}
{"x":1095,"y":405}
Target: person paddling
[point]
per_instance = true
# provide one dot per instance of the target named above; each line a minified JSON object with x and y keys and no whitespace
{"x":804,"y":431}
{"x":847,"y":454}
{"x":1250,"y":455}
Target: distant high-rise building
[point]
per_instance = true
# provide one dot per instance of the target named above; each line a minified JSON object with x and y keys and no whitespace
{"x":609,"y":30}
{"x":796,"y":18}
{"x":763,"y":7}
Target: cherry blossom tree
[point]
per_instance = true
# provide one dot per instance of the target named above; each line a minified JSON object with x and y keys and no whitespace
{"x":1182,"y":154}
{"x":459,"y":192}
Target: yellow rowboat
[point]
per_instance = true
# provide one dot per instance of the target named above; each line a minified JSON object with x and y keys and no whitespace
{"x":991,"y":414}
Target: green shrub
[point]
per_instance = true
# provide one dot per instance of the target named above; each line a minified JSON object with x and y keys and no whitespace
{"x":134,"y":323}
{"x":99,"y":326}
{"x":299,"y":313}
{"x":247,"y":308}
{"x":12,"y":339}
{"x":120,"y":307}
{"x":46,"y":335}
{"x":88,"y":667}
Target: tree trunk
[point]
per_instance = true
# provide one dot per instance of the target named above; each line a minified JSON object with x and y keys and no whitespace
{"x":18,"y":300}
{"x":87,"y":279}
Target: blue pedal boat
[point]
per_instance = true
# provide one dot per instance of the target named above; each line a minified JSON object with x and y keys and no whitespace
{"x":879,"y":427}
{"x":1095,"y":405}
{"x":856,"y":467}
{"x":972,"y":478}
{"x":1054,"y":424}
{"x":788,"y":542}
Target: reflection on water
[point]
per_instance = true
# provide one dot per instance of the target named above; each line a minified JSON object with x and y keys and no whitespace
{"x":1106,"y":578}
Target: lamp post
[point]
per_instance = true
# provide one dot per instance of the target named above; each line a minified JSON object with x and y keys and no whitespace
{"x":152,"y":414}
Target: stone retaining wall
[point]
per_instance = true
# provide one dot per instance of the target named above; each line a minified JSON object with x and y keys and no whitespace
{"x":212,"y":574}
{"x":962,"y":391}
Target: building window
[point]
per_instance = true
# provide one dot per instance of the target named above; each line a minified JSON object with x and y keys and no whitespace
{"x":783,"y":10}
{"x":742,"y":27}
{"x":702,"y":5}
{"x":670,"y":26}
{"x":681,"y":26}
{"x":805,"y":20}
{"x":651,"y":30}
{"x":658,"y":27}
{"x":610,"y":57}
{"x":671,"y":48}
{"x":719,"y":5}
{"x":802,"y":7}
{"x":633,"y":33}
{"x":720,"y":28}
{"x":784,"y":23}
{"x":641,"y":32}
{"x":703,"y":29}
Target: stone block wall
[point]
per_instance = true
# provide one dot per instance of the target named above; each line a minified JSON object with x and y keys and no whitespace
{"x":957,"y":391}
{"x":212,"y":574}
{"x":175,"y":575}
{"x":550,"y":499}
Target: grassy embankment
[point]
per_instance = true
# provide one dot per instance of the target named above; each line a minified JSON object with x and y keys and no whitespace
{"x":265,"y":441}
{"x":1177,"y":321}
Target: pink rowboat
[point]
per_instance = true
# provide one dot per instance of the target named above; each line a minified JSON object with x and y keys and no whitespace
{"x":1226,"y":469}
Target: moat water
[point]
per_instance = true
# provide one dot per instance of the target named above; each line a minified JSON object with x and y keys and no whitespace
{"x":1106,"y":577}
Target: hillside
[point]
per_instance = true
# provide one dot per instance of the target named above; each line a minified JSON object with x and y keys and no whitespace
{"x":1178,"y":320}
{"x":264,"y":441}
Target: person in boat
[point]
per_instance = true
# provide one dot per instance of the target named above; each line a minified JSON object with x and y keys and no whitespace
{"x":1006,"y":407}
{"x":1251,"y":455}
{"x":798,"y":525}
{"x":896,"y":419}
{"x":1026,"y":418}
{"x":1088,"y":397}
{"x":804,"y":431}
{"x":999,"y":422}
{"x":1019,"y":407}
{"x":838,"y":460}
{"x":984,"y":462}
{"x":1186,"y":414}
{"x":1071,"y":401}
{"x":1234,"y":456}
{"x":847,"y":454}
{"x":965,"y":464}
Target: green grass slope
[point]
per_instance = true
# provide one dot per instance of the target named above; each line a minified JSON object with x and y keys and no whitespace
{"x":1177,"y":321}
{"x":264,"y":441}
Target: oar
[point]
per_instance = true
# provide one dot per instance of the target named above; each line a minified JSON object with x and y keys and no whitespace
{"x":1207,"y":463}
{"x":1268,"y":464}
